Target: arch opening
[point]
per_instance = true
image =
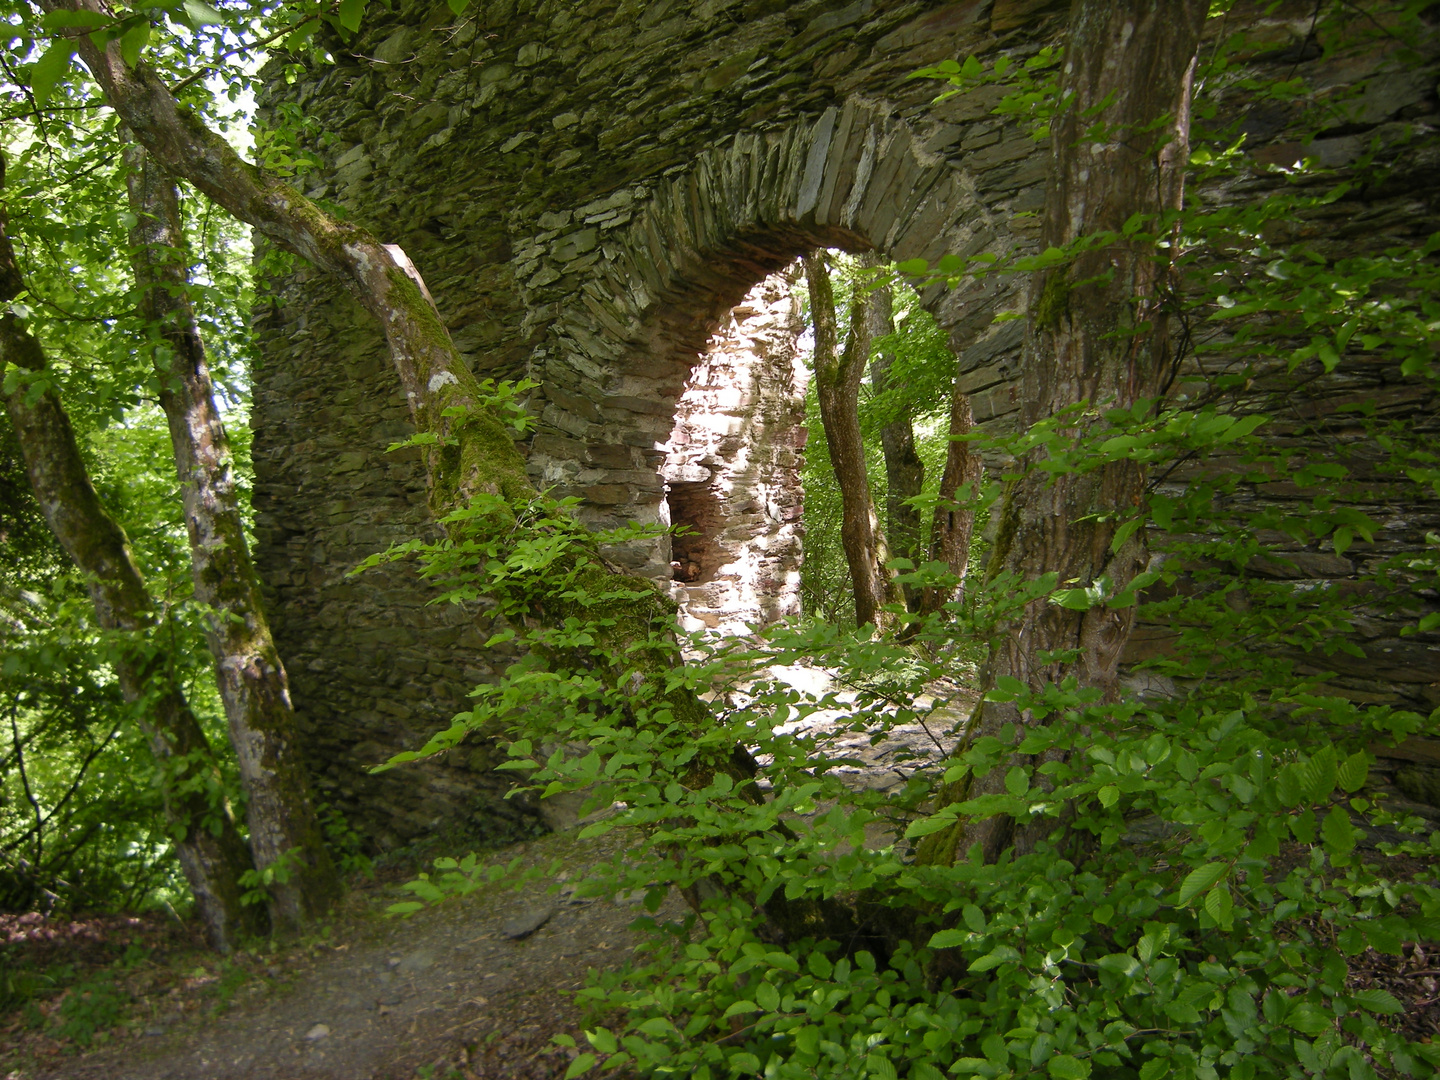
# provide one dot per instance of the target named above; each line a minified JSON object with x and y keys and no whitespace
{"x":732,"y":465}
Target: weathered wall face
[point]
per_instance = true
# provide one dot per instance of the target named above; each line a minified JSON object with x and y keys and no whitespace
{"x":587,"y":186}
{"x":732,"y":468}
{"x":587,"y":189}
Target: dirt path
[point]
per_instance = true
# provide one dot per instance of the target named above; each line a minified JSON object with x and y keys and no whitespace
{"x":447,"y":993}
{"x":452,"y":993}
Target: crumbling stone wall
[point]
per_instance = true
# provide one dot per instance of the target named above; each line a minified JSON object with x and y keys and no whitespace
{"x":587,"y":187}
{"x":732,"y":468}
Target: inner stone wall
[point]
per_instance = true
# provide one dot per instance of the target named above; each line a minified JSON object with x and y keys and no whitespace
{"x":588,"y":186}
{"x":732,"y":468}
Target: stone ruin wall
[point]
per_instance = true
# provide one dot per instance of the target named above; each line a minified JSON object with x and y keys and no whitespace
{"x":732,"y":468}
{"x":587,"y":187}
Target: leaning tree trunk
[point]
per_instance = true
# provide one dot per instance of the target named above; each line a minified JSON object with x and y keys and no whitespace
{"x":252,"y":682}
{"x":953,"y":522}
{"x":473,"y":454}
{"x":1097,"y":333}
{"x":211,"y":851}
{"x":904,"y":471}
{"x":837,"y":386}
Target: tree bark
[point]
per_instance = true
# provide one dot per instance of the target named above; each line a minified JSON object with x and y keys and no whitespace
{"x":473,"y":453}
{"x":952,"y":525}
{"x":211,"y":851}
{"x":904,"y":471}
{"x":1097,"y":333}
{"x":837,"y":386}
{"x":248,"y":670}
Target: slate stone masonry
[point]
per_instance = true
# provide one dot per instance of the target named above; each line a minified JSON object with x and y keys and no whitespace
{"x":588,"y":186}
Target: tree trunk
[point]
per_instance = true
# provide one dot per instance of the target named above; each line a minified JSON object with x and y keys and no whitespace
{"x":952,"y":525}
{"x":837,"y":385}
{"x":1097,"y":333}
{"x":904,"y":471}
{"x":248,"y":671}
{"x":473,"y":453}
{"x":212,"y":853}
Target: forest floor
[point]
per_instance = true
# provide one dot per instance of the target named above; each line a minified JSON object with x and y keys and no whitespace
{"x":444,"y":994}
{"x":458,"y":991}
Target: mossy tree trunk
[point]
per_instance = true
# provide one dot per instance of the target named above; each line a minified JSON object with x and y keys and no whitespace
{"x":1097,"y":333}
{"x":953,"y":523}
{"x":212,"y":853}
{"x":837,"y":387}
{"x":473,"y":453}
{"x":904,"y":470}
{"x":252,"y":682}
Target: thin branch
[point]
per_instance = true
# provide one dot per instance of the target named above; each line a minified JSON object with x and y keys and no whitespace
{"x":192,"y":79}
{"x":25,"y":780}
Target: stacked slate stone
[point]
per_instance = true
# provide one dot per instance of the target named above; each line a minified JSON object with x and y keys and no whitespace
{"x":588,"y":188}
{"x":732,"y":469}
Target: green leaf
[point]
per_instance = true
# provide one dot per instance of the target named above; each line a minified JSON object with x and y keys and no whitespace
{"x":198,"y":13}
{"x":767,"y":997}
{"x":458,"y":6}
{"x":1378,"y":1001}
{"x":1353,"y":771}
{"x":603,"y":1040}
{"x":1318,"y":775}
{"x":932,"y":824}
{"x":1219,"y":905}
{"x":63,"y":20}
{"x":1075,"y":599}
{"x":1017,"y":781}
{"x":1308,"y":1019}
{"x":50,"y":69}
{"x":1124,"y":532}
{"x":1109,"y":795}
{"x":1288,"y":786}
{"x":658,"y":1027}
{"x":878,"y":1066}
{"x":1004,"y":954}
{"x":133,"y":41}
{"x":948,"y":939}
{"x":1337,"y":833}
{"x":974,"y":918}
{"x":1068,"y":1067}
{"x":1303,"y":826}
{"x":1154,"y":1069}
{"x":350,"y":14}
{"x":738,"y":1007}
{"x":580,"y":1066}
{"x":1200,"y":879}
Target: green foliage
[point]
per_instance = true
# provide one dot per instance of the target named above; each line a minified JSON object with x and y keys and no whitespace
{"x":258,"y":883}
{"x":83,"y":828}
{"x":1213,"y":857}
{"x":921,"y":375}
{"x":89,"y":1008}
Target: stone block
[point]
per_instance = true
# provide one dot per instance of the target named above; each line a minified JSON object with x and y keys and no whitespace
{"x":607,"y":494}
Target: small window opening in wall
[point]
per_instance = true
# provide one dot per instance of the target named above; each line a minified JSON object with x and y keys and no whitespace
{"x":696,"y":557}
